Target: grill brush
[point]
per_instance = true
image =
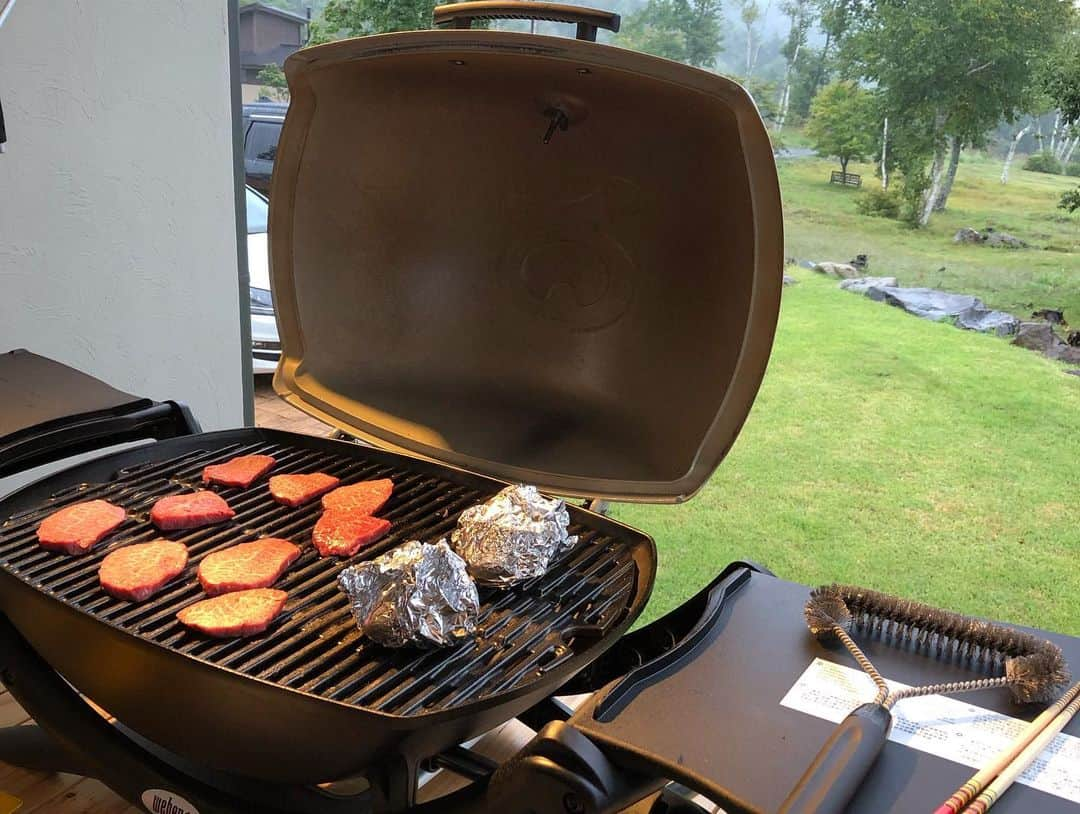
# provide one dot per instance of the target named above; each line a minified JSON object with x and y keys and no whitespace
{"x":1033,"y":669}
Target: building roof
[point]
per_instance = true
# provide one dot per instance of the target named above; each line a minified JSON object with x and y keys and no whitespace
{"x":248,"y":8}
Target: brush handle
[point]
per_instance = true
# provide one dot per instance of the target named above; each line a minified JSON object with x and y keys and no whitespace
{"x":839,"y":768}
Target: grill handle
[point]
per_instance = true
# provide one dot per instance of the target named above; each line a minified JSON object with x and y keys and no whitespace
{"x":588,"y":20}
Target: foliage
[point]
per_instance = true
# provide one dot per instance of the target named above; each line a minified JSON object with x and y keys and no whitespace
{"x":1073,"y":169}
{"x":273,"y":82}
{"x":843,"y":122}
{"x":1043,"y":162}
{"x":1070,"y":200}
{"x":881,"y":203}
{"x":959,"y":66}
{"x":356,"y":18}
{"x":1061,"y":77}
{"x":682,"y":30}
{"x":863,"y":461}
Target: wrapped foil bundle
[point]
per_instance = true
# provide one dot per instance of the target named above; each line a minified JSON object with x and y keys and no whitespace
{"x":512,"y":537}
{"x":416,"y":594}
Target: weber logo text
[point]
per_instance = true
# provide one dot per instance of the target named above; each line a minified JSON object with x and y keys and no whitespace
{"x":160,"y":801}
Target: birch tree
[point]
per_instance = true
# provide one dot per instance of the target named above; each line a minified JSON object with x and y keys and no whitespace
{"x":800,"y":12}
{"x":960,"y":65}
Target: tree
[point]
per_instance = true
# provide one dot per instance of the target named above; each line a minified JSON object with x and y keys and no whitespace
{"x":800,"y":12}
{"x":843,"y":122}
{"x":273,"y":82}
{"x":682,"y":30}
{"x":960,"y":66}
{"x":1061,"y":82}
{"x":357,"y":18}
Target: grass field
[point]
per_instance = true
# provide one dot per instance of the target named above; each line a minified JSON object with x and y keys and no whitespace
{"x":821,"y":224}
{"x":897,"y":453}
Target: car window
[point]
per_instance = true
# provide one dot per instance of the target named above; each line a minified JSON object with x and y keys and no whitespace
{"x":256,"y":212}
{"x":262,"y":139}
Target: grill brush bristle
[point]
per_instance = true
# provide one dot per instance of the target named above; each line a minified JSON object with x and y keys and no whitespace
{"x":1032,"y":668}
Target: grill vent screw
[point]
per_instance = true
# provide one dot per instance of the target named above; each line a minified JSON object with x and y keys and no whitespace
{"x":558,"y":121}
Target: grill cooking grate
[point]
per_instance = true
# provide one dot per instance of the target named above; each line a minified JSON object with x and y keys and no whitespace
{"x":314,"y":645}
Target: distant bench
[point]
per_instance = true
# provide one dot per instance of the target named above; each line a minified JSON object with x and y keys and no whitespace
{"x":847,"y":179}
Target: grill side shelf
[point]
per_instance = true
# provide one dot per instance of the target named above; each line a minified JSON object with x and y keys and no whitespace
{"x":314,"y":647}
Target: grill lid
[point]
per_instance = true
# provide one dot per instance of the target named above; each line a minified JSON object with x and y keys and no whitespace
{"x":592,"y":313}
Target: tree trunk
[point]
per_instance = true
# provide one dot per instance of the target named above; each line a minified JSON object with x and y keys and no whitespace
{"x":1053,"y":131}
{"x":843,"y":165}
{"x":785,"y":98}
{"x":885,"y":154}
{"x":1072,"y":148}
{"x":937,"y":171}
{"x":955,"y":145}
{"x":749,"y":50}
{"x":1012,"y":153}
{"x":757,"y":48}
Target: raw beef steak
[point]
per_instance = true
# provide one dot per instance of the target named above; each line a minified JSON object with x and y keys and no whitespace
{"x":366,"y":497}
{"x":136,"y":572}
{"x":76,"y":529}
{"x":190,"y":511}
{"x":296,"y":490}
{"x":241,"y":613}
{"x":245,"y":566}
{"x":241,"y":471}
{"x":342,"y":534}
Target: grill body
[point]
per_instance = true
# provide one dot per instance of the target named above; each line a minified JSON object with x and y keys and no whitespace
{"x":310,"y":700}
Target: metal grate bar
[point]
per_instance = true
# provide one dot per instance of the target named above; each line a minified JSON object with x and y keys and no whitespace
{"x":314,"y":646}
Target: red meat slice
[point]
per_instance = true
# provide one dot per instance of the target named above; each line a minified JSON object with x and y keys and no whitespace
{"x":241,"y":613}
{"x":245,"y":566}
{"x":190,"y":511}
{"x":78,"y":528}
{"x":137,"y":572}
{"x":242,"y":471}
{"x":366,"y":497}
{"x":296,"y":490}
{"x":342,"y":534}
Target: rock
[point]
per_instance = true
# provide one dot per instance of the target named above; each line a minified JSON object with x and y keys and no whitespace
{"x":844,"y":271}
{"x":859,"y":285}
{"x":1073,"y":339}
{"x":1003,"y":240}
{"x":984,"y":320}
{"x":969,"y":312}
{"x":790,"y":280}
{"x":968,"y":235}
{"x":990,"y":236}
{"x":806,"y":264}
{"x":1040,"y":337}
{"x":927,"y":303}
{"x":1054,"y":317}
{"x":1036,"y":336}
{"x":1073,"y":372}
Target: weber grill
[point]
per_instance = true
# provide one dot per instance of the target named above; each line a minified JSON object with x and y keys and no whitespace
{"x":496,"y":257}
{"x":529,"y":636}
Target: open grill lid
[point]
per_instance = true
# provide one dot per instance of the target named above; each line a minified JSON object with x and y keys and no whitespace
{"x":542,"y":259}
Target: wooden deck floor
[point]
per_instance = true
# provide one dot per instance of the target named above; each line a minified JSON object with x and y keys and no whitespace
{"x":25,"y":791}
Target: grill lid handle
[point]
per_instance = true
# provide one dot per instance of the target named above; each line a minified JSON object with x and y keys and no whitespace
{"x":588,"y":20}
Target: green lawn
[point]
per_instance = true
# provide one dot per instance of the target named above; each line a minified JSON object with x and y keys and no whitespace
{"x":896,"y":453}
{"x":821,"y":224}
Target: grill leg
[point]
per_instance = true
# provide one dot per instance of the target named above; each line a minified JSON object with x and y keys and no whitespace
{"x":30,"y":747}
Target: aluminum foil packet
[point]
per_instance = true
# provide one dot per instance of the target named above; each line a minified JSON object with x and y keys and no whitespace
{"x":512,"y":537}
{"x":419,"y":593}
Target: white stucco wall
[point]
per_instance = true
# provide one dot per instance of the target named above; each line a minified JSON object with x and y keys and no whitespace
{"x":117,"y":224}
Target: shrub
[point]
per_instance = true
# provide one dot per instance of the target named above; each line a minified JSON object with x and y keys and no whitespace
{"x":1043,"y":162}
{"x":1073,"y":168}
{"x":879,"y":203}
